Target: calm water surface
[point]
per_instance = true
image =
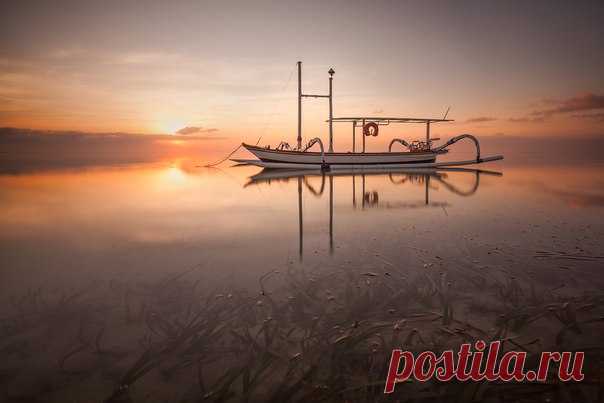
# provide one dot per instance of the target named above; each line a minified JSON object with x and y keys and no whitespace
{"x":139,"y":220}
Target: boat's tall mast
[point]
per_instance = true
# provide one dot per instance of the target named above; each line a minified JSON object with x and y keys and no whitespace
{"x":299,"y":105}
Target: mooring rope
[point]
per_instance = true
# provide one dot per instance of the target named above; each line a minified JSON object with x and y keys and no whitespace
{"x":225,"y":158}
{"x":228,"y":156}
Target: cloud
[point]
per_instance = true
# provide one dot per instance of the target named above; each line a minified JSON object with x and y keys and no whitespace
{"x":550,"y":107}
{"x":12,"y":135}
{"x":527,"y":119}
{"x":599,"y":117}
{"x":583,"y":102}
{"x":195,"y":130}
{"x":481,"y":119}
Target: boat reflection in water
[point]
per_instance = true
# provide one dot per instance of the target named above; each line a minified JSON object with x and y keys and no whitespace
{"x":371,"y":199}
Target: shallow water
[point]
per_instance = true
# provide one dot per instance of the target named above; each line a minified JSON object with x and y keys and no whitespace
{"x":103,"y":263}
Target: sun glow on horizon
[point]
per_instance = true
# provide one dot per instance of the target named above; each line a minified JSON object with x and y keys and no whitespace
{"x":171,"y":126}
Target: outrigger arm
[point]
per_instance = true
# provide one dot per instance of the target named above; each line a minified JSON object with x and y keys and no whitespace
{"x":403,"y":142}
{"x":455,"y":140}
{"x":311,"y":143}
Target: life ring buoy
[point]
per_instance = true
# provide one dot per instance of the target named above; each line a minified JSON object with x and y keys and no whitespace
{"x":371,"y":198}
{"x":367,"y":129}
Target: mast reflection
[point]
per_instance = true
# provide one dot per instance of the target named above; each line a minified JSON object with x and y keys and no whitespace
{"x":428,"y":178}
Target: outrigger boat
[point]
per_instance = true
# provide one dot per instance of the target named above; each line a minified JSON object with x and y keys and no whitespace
{"x":418,"y":154}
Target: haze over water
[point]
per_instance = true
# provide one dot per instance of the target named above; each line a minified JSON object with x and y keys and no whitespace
{"x":65,"y":224}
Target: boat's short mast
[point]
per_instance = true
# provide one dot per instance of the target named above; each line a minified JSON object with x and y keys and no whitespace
{"x":299,"y":105}
{"x":331,"y":73}
{"x":428,"y":132}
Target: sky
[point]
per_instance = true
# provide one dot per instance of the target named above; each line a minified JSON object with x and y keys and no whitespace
{"x":227,"y":68}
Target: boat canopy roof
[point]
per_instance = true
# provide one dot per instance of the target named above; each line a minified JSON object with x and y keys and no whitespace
{"x":389,"y":120}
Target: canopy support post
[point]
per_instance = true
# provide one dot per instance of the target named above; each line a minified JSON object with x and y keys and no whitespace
{"x":363,"y":136}
{"x":354,"y":126}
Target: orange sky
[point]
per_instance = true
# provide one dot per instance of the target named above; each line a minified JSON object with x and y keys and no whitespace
{"x":228,"y":67}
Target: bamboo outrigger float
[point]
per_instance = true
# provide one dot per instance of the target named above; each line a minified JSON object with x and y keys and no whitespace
{"x":418,"y":154}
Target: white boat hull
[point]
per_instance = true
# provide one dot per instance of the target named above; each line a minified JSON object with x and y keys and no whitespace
{"x":362,"y":167}
{"x":308,"y":157}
